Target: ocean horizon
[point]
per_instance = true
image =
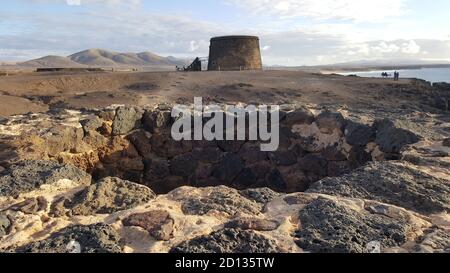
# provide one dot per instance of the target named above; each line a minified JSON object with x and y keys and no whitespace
{"x":428,"y":74}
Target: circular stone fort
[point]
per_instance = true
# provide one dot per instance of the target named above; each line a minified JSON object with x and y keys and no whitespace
{"x":231,"y":53}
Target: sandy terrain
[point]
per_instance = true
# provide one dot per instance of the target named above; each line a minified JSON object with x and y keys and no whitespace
{"x":35,"y":92}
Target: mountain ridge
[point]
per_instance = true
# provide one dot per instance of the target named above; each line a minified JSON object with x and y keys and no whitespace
{"x":97,"y":57}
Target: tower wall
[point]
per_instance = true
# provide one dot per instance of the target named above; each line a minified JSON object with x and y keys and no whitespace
{"x":231,"y":53}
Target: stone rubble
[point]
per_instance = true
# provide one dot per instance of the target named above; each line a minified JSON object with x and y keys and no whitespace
{"x":113,"y":180}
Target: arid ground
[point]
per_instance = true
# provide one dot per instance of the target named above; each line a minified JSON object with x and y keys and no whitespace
{"x":34,"y":92}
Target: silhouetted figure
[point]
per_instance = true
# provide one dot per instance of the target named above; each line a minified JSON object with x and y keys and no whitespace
{"x":396,"y":76}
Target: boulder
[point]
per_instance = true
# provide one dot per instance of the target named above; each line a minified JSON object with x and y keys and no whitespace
{"x":391,"y":183}
{"x":98,"y":238}
{"x":30,"y":175}
{"x":299,"y":116}
{"x":261,"y":195}
{"x":228,"y":241}
{"x":157,"y":119}
{"x":357,"y":134}
{"x":109,"y":195}
{"x":126,"y":120}
{"x":328,"y":122}
{"x":329,"y":227}
{"x":158,"y":223}
{"x":220,"y":199}
{"x":391,"y":138}
{"x":91,"y":124}
{"x":141,"y":141}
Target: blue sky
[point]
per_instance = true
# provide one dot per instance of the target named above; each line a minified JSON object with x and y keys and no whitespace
{"x":292,"y":32}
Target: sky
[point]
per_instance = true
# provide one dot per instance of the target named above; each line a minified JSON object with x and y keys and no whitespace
{"x":292,"y":32}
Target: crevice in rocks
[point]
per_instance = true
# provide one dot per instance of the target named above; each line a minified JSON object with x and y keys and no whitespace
{"x":312,"y":147}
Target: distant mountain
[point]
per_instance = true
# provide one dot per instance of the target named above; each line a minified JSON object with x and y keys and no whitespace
{"x":105,"y":58}
{"x":51,"y":61}
{"x":100,"y":57}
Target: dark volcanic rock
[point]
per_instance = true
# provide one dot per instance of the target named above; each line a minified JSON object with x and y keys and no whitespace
{"x":328,"y":122}
{"x":156,"y":168}
{"x":245,"y":179}
{"x":221,"y":199}
{"x":261,"y":195}
{"x":91,"y":124}
{"x":228,"y":241}
{"x":229,"y":167}
{"x":253,"y":224}
{"x":141,"y":141}
{"x":392,"y":138}
{"x":158,"y":223}
{"x":314,"y":164}
{"x":27,"y":176}
{"x":446,"y":142}
{"x":183,"y":165}
{"x":391,"y":183}
{"x":126,"y":120}
{"x":327,"y":227}
{"x":358,"y":134}
{"x":98,"y":238}
{"x":283,"y":158}
{"x":3,"y":120}
{"x":110,"y":195}
{"x":332,"y":153}
{"x":299,"y":116}
{"x":276,"y":181}
{"x":5,"y":224}
{"x":154,"y":120}
{"x":358,"y":157}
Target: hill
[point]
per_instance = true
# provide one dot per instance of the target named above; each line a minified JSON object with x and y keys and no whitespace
{"x":51,"y":61}
{"x":100,"y":57}
{"x":105,"y":58}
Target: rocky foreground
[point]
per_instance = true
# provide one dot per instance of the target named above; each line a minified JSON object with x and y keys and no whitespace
{"x":113,"y":180}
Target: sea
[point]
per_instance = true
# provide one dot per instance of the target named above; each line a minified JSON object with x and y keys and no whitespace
{"x":429,"y":74}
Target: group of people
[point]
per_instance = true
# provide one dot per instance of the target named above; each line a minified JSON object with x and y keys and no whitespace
{"x":387,"y":75}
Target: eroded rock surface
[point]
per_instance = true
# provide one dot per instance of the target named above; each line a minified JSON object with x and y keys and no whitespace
{"x":98,"y":238}
{"x":328,"y":227}
{"x":113,"y":180}
{"x":30,"y":175}
{"x":158,"y":223}
{"x":228,"y":241}
{"x":393,"y":183}
{"x":109,"y":195}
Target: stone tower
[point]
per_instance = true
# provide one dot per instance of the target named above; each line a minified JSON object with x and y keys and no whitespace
{"x":231,"y":53}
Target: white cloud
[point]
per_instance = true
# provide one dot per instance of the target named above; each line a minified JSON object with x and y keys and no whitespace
{"x":358,"y":10}
{"x":73,"y":2}
{"x":411,"y":48}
